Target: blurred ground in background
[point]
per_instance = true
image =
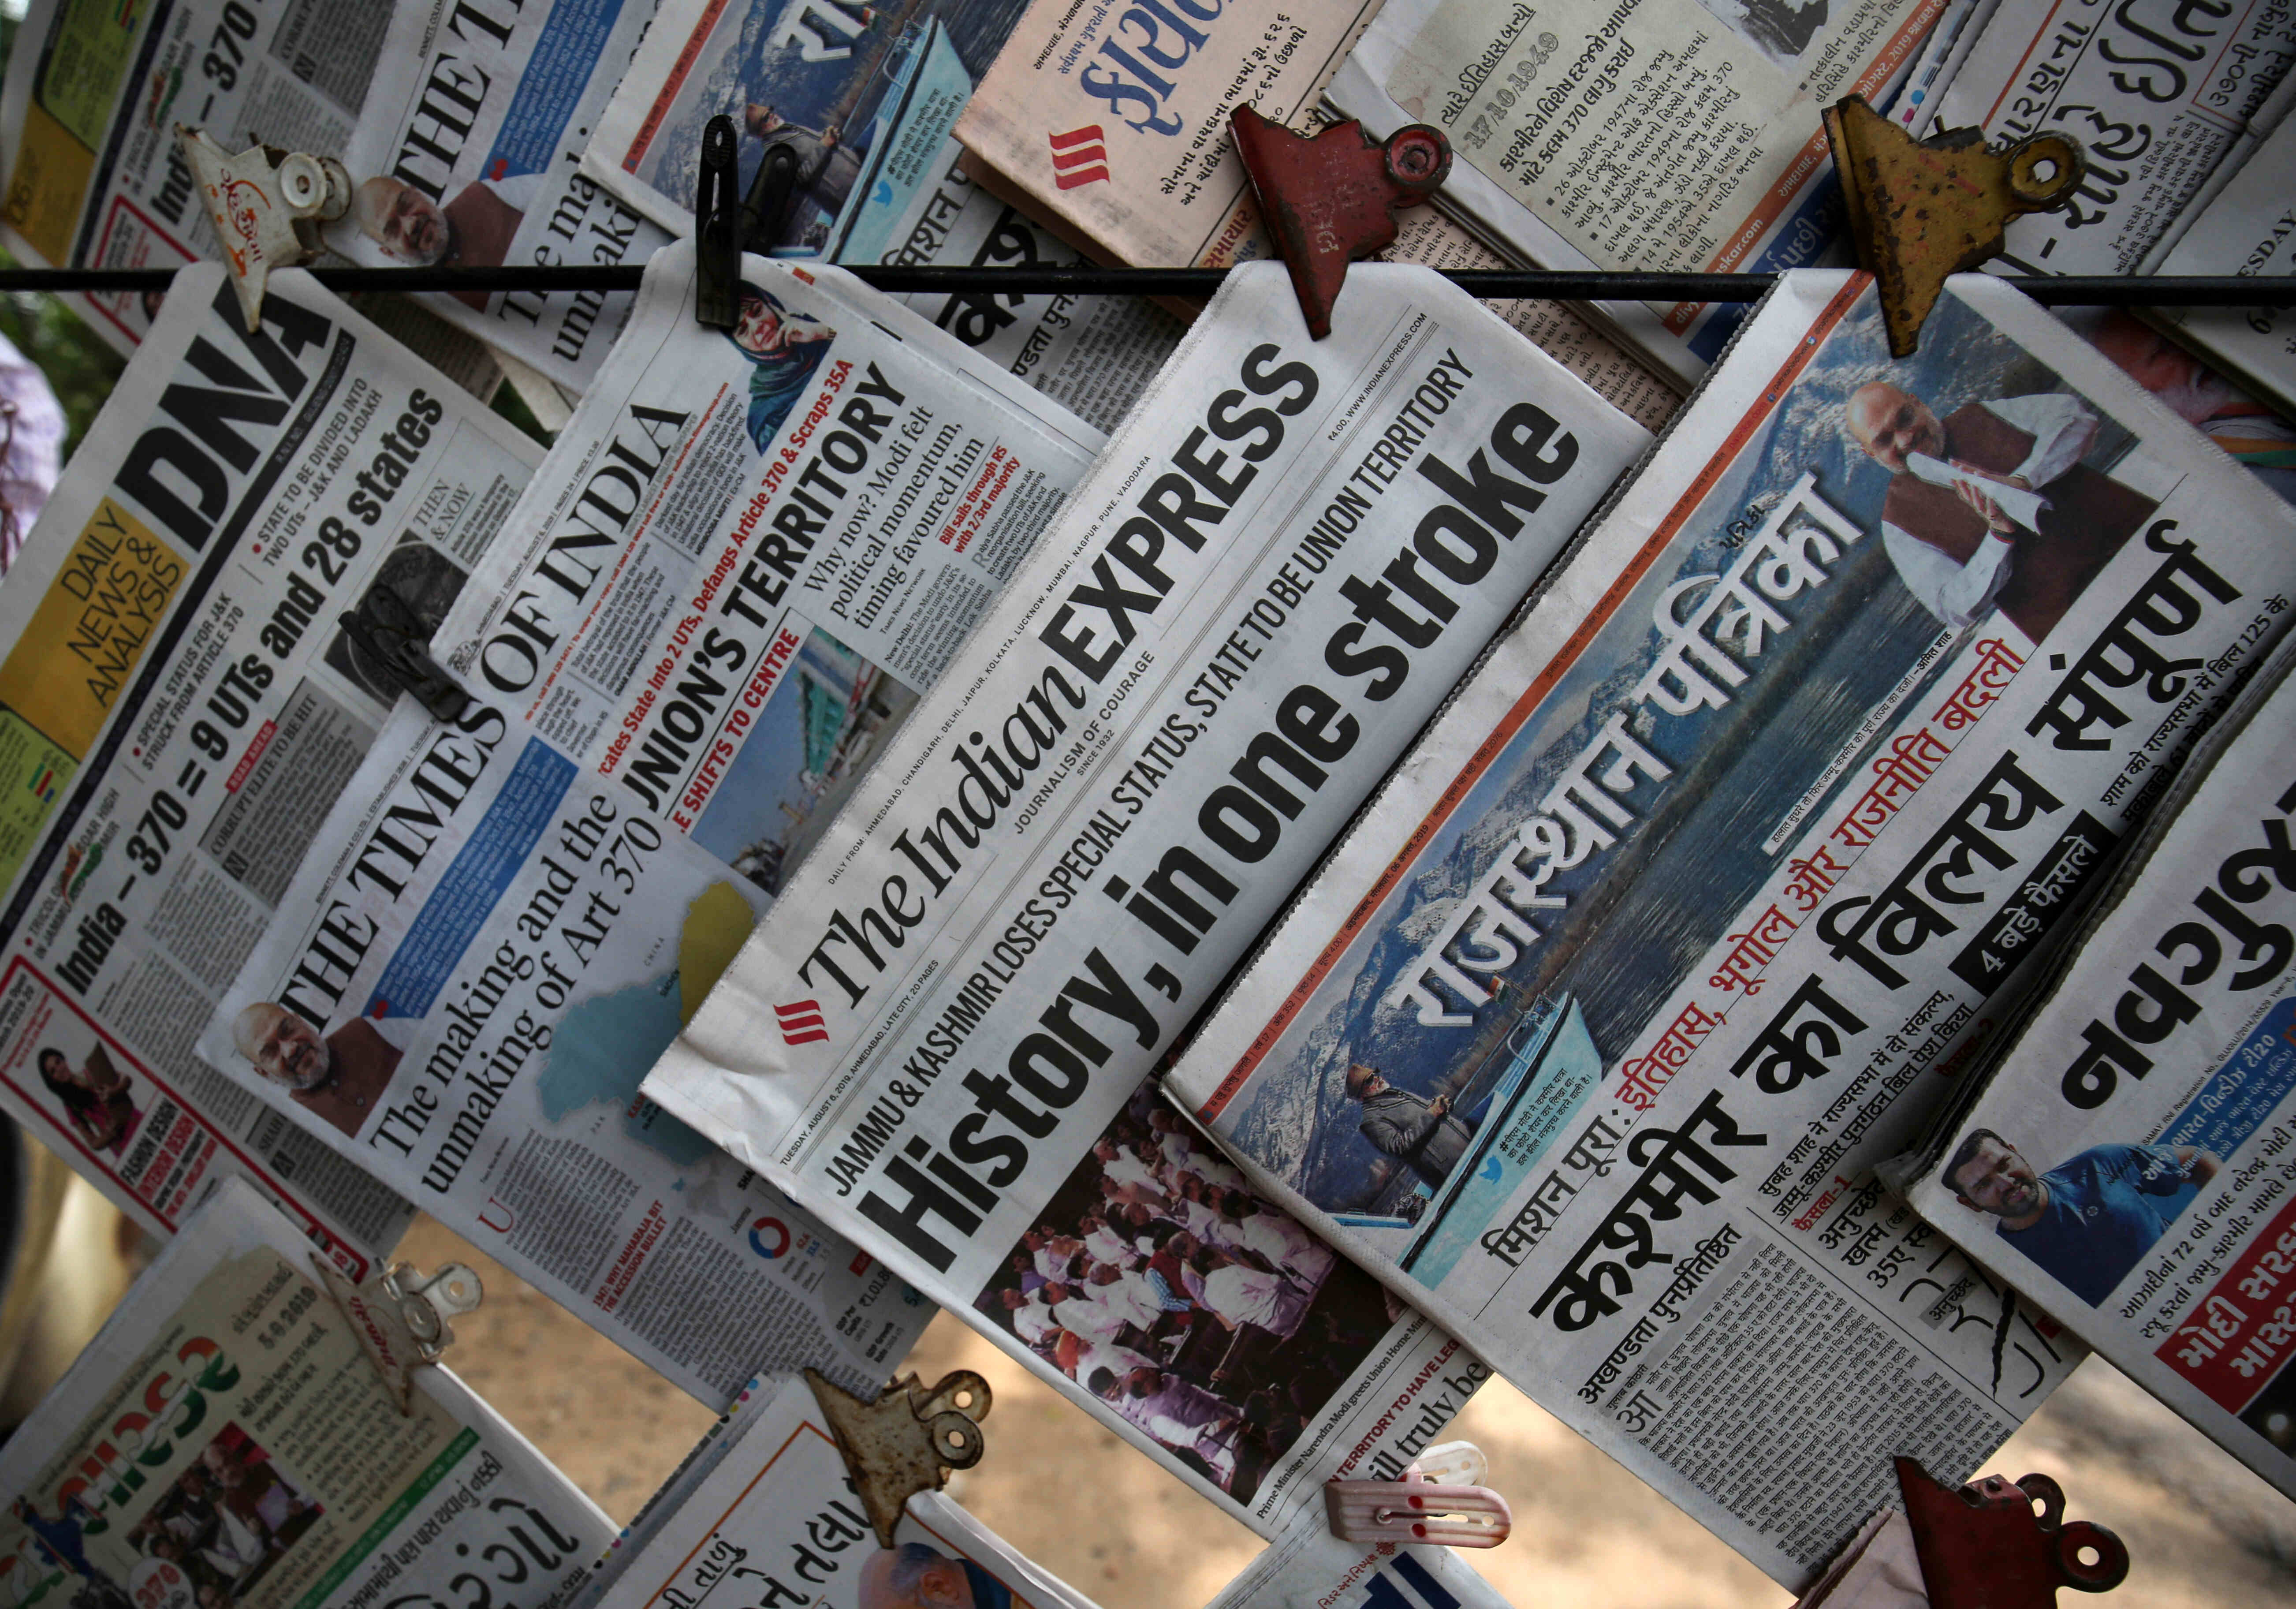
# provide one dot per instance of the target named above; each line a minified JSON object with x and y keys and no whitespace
{"x":2201,"y":1530}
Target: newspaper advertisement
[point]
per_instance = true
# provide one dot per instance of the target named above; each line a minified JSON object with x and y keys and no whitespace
{"x":225,"y":1443}
{"x":1676,"y":136}
{"x":2128,"y":1165}
{"x":466,"y":154}
{"x":180,"y":705}
{"x":1588,"y":1036}
{"x":1309,"y":1568}
{"x":2248,"y":229}
{"x":469,"y":975}
{"x":1203,"y":604}
{"x":752,"y":551}
{"x":2160,"y":96}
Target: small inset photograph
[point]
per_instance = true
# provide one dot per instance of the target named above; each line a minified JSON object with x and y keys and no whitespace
{"x":229,"y":1516}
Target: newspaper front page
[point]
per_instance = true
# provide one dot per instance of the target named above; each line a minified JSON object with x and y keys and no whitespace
{"x":1017,"y":886}
{"x":225,"y":1443}
{"x":2250,"y":228}
{"x":465,"y":153}
{"x":751,"y":550}
{"x":2128,"y":1164}
{"x":470,"y":973}
{"x":1589,"y":1035}
{"x":2164,"y":99}
{"x":1655,"y":135}
{"x":179,"y":708}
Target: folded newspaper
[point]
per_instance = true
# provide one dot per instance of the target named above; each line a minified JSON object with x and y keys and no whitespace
{"x":2125,"y":1160}
{"x":1275,"y":572}
{"x":1587,"y":1037}
{"x":179,"y":708}
{"x":2249,"y":228}
{"x":225,"y":1443}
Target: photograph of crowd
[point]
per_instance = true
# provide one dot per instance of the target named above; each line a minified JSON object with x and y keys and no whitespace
{"x":226,"y":1520}
{"x":1208,"y":1319}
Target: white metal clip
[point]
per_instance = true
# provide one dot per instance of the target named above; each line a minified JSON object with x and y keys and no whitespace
{"x":1439,"y":1501}
{"x":401,"y":1318}
{"x":267,"y":205}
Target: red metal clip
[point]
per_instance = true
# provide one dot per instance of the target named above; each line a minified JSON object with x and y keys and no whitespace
{"x":1983,"y":1547}
{"x":1332,"y":199}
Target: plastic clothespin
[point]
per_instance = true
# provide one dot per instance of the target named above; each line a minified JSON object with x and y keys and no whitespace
{"x":401,"y":1318}
{"x":266,"y":206}
{"x":1440,"y":1501}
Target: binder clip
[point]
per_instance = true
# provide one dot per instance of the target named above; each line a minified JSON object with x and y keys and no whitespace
{"x":267,"y":205}
{"x":394,"y":642}
{"x":906,"y":1442}
{"x":401,"y":1318}
{"x":1440,"y":1501}
{"x":1983,"y":1547}
{"x":722,"y":231}
{"x":1922,"y":210}
{"x":1331,"y":199}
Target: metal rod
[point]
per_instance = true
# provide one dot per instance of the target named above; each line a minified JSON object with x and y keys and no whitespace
{"x":2212,"y":291}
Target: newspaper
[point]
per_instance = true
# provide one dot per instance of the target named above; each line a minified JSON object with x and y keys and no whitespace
{"x":179,"y":706}
{"x":2125,"y":1162}
{"x":464,"y":154}
{"x":469,"y":975}
{"x":1135,"y":164}
{"x":952,"y":918}
{"x":1673,"y":136}
{"x":1587,"y":1037}
{"x":1309,"y":1568}
{"x":225,"y":1443}
{"x":2247,"y":229}
{"x":2162,"y":98}
{"x":750,"y":553}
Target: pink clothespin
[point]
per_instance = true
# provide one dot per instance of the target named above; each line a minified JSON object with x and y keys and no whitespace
{"x":1440,"y":1500}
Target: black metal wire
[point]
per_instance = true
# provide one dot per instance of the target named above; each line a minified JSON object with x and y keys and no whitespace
{"x":2212,"y":291}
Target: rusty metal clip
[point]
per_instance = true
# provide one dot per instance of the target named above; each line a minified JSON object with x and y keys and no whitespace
{"x":1922,"y":209}
{"x":266,"y":206}
{"x":1331,"y":199}
{"x":1983,"y":1547}
{"x":906,"y":1442}
{"x":1424,"y":1506}
{"x":401,"y":1317}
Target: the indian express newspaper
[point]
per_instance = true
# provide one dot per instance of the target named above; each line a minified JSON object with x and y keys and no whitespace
{"x":465,"y":153}
{"x":469,"y":975}
{"x":225,"y":1443}
{"x":2250,"y":228}
{"x":750,"y":551}
{"x":179,"y":708}
{"x":1663,"y":135}
{"x":2162,"y":97}
{"x":943,"y":1037}
{"x":1590,"y":1033}
{"x":2127,"y":1165}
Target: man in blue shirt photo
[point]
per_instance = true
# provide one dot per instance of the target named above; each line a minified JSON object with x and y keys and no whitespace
{"x":2088,"y":1220}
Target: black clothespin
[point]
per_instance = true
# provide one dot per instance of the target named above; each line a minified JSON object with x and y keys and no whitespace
{"x":395,"y":638}
{"x":720,"y":237}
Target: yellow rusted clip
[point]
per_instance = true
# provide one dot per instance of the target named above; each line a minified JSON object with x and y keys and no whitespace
{"x":906,"y":1442}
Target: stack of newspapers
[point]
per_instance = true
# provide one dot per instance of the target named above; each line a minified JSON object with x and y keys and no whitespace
{"x":1193,"y":848}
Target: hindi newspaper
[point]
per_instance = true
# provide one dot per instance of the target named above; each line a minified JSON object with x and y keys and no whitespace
{"x":224,"y":1443}
{"x":2250,"y":228}
{"x":1236,"y":584}
{"x":180,"y":706}
{"x":1657,"y":134}
{"x":2162,"y":98}
{"x":1588,"y":1035}
{"x":478,"y":961}
{"x":2125,"y":1161}
{"x":465,"y":153}
{"x":752,"y":550}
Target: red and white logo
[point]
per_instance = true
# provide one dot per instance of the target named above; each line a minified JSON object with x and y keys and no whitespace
{"x":1079,"y":158}
{"x":802,"y":1022}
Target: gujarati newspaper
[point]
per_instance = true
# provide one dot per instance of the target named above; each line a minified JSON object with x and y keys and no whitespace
{"x":943,"y":1037}
{"x":2125,"y":1163}
{"x":478,"y":961}
{"x":225,"y":1443}
{"x":1687,"y":912}
{"x":181,"y":705}
{"x":2250,"y":228}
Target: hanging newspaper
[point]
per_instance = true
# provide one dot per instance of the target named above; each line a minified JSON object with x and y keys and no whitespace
{"x":470,"y":973}
{"x":179,"y":708}
{"x":1676,"y":136}
{"x":1590,"y":1034}
{"x":2166,"y":100}
{"x":751,"y":550}
{"x":2250,"y":229}
{"x":1139,"y":643}
{"x":2125,"y":1163}
{"x":225,"y":1443}
{"x":465,"y":155}
{"x":1309,"y":1568}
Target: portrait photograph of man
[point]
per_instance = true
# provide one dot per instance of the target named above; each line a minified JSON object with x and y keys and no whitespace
{"x":341,"y":1077}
